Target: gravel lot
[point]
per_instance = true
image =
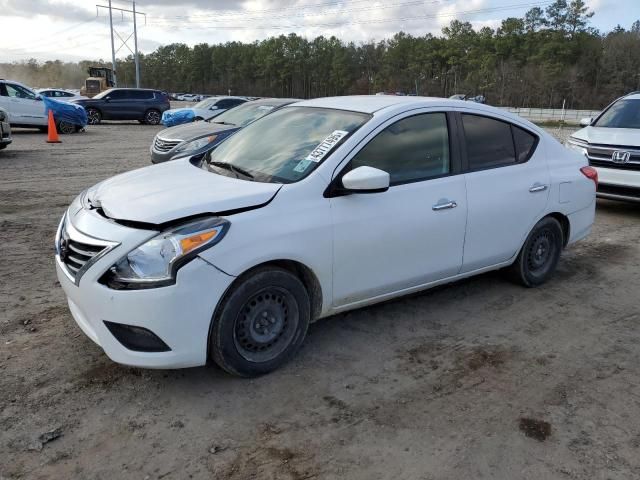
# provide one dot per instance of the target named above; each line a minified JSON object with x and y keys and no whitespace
{"x":480,"y":379}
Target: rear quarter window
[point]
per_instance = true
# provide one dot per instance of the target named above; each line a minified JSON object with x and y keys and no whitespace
{"x":525,"y":142}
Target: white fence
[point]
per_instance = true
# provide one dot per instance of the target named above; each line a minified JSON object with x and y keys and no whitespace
{"x":552,"y":114}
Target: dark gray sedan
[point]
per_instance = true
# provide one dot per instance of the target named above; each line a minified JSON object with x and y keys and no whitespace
{"x":199,"y":137}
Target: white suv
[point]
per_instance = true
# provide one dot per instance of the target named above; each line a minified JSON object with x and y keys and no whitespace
{"x":24,"y":106}
{"x":611,"y":142}
{"x":323,"y":206}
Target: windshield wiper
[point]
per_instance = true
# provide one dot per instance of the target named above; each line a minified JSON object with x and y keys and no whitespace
{"x":232,"y":168}
{"x":225,"y":123}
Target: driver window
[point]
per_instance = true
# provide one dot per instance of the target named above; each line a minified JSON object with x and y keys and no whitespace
{"x":412,"y":149}
{"x":17,"y":91}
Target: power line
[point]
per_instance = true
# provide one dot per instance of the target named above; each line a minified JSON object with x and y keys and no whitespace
{"x":362,"y":22}
{"x":46,"y":40}
{"x":233,"y":13}
{"x":194,"y":18}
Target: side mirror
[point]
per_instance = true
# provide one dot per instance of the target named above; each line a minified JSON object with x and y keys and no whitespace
{"x":213,"y":107}
{"x":366,"y":180}
{"x":107,"y":99}
{"x":585,"y":122}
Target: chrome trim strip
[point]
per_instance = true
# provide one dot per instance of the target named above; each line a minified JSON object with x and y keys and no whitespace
{"x":78,"y":236}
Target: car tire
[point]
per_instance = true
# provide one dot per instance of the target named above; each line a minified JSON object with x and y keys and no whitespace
{"x":152,"y":117}
{"x":94,"y":117}
{"x":3,"y":146}
{"x":260,"y":323}
{"x":65,"y":127}
{"x":539,"y":255}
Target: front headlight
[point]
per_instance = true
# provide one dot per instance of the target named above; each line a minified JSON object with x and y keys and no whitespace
{"x":577,"y":145}
{"x":196,"y":144}
{"x":155,"y":262}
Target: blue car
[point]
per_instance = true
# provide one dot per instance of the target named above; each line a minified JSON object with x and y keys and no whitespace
{"x":199,"y":137}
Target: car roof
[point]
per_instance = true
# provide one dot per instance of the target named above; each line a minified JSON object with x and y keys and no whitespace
{"x":633,"y":96}
{"x":225,"y":97}
{"x":134,"y":88}
{"x":273,"y":101}
{"x":373,"y":103}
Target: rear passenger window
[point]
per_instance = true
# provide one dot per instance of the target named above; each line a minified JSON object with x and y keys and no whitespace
{"x":140,"y":94}
{"x":525,"y":143}
{"x":489,"y":142}
{"x":415,"y":148}
{"x":118,"y":95}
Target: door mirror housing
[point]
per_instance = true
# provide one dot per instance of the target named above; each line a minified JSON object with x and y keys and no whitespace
{"x":585,"y":122}
{"x":365,"y":180}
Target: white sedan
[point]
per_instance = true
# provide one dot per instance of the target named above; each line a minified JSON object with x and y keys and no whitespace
{"x":321,"y":207}
{"x":60,"y":94}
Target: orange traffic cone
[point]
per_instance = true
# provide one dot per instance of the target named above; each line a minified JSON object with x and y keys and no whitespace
{"x":53,"y":132}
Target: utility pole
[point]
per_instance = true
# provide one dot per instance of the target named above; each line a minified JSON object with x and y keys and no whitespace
{"x":124,"y":40}
{"x":113,"y":49}
{"x":135,"y":42}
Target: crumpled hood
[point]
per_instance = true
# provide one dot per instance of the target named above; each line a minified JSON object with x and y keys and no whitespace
{"x":190,"y":131}
{"x":174,"y":190}
{"x":628,"y":137}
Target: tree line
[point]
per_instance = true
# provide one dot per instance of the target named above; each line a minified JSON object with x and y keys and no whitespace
{"x":547,"y":57}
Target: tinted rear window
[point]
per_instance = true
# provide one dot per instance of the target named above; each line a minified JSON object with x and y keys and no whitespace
{"x":489,"y":142}
{"x":140,"y":94}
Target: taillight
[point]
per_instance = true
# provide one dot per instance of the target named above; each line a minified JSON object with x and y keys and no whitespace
{"x":591,"y":173}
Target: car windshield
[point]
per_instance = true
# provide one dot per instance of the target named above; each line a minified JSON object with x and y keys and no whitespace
{"x":622,"y":114}
{"x":285,"y":146}
{"x":243,"y":115}
{"x":206,"y":103}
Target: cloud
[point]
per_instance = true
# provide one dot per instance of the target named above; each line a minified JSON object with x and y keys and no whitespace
{"x":54,"y":10}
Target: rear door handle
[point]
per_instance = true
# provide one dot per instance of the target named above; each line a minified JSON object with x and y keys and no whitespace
{"x":537,"y":187}
{"x":444,"y":206}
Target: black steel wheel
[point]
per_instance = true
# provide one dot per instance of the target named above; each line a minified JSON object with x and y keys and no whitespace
{"x":540,"y":253}
{"x":152,"y":117}
{"x":94,"y":117}
{"x":260,"y":323}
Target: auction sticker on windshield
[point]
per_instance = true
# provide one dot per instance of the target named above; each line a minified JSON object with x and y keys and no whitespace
{"x":326,"y":145}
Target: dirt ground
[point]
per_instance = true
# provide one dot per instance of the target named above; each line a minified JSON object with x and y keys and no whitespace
{"x":480,"y":379}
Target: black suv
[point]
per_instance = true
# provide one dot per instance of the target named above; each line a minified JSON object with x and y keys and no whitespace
{"x":140,"y":104}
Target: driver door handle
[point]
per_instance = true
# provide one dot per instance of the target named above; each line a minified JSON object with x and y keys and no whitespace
{"x":537,"y":187}
{"x":444,"y":206}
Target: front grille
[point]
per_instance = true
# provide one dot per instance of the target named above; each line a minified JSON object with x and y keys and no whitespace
{"x":619,"y":190}
{"x":76,"y":256}
{"x":163,"y":145}
{"x":602,"y":156}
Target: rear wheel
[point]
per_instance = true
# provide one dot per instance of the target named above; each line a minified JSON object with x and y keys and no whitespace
{"x":94,"y":117}
{"x":540,"y":253}
{"x":66,"y":127}
{"x":152,"y":117}
{"x":260,"y":323}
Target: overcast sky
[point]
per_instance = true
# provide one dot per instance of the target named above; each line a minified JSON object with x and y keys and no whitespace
{"x":76,"y":29}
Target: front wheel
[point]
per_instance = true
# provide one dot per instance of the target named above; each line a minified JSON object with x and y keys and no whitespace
{"x":540,"y":253}
{"x":152,"y":117}
{"x":94,"y":117}
{"x":260,"y":323}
